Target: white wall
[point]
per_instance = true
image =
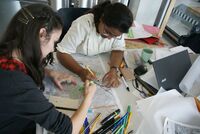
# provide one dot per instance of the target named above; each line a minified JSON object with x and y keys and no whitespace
{"x":147,"y":11}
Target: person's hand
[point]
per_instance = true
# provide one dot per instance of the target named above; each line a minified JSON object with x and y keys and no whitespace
{"x":60,"y":77}
{"x":90,"y":89}
{"x":111,"y":79}
{"x":85,"y":74}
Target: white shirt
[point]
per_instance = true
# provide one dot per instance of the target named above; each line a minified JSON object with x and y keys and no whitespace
{"x":83,"y":38}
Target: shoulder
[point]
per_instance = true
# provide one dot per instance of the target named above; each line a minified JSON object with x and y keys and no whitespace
{"x":16,"y":80}
{"x":86,"y":20}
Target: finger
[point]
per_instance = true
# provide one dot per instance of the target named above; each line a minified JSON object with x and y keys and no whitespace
{"x":58,"y":84}
{"x":90,"y":77}
{"x":115,"y":84}
{"x":108,"y":84}
{"x":105,"y":78}
{"x":72,"y":80}
{"x":87,"y":83}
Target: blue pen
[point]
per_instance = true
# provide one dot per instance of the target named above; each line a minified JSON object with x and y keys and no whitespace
{"x":86,"y":129}
{"x":120,"y":121}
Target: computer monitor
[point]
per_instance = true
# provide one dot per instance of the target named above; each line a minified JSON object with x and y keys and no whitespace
{"x":170,"y":70}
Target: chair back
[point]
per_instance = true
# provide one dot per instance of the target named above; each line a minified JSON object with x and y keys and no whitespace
{"x":68,"y":15}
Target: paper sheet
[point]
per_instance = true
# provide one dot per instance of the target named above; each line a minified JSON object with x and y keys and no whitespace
{"x":104,"y":100}
{"x":174,"y":127}
{"x":137,"y":32}
{"x":168,"y":104}
{"x":191,"y":82}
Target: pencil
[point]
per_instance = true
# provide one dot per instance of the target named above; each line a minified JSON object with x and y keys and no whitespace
{"x":94,"y":123}
{"x":89,"y":70}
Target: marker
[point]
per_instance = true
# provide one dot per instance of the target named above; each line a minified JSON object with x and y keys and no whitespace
{"x":105,"y":128}
{"x":124,"y":81}
{"x":110,"y":116}
{"x":113,"y":119}
{"x":93,"y":122}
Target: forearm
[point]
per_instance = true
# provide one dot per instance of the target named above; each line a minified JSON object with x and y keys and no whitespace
{"x":116,"y":58}
{"x":69,"y":62}
{"x":197,"y":103}
{"x":79,"y":116}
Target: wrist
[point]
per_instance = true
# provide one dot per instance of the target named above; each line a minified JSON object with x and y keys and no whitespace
{"x":114,"y":68}
{"x":87,"y":100}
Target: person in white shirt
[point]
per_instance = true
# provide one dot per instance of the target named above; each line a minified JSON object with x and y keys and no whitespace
{"x":100,"y":30}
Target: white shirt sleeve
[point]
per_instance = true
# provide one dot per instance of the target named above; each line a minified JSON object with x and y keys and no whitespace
{"x":83,"y":38}
{"x":119,"y":44}
{"x":73,"y":37}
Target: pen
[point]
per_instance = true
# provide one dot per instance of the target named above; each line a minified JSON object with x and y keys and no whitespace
{"x":124,"y":81}
{"x":110,"y":116}
{"x":106,"y":127}
{"x":113,"y":119}
{"x":89,"y":70}
{"x":94,"y":123}
{"x":85,"y":128}
{"x":119,"y":129}
{"x":119,"y":121}
{"x":128,"y":122}
{"x":131,"y":132}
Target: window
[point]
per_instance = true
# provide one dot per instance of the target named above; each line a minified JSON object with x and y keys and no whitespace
{"x":185,"y":15}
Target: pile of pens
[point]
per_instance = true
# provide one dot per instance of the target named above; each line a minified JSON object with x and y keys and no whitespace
{"x":113,"y":123}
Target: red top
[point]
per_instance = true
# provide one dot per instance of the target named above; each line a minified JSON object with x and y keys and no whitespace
{"x":12,"y":65}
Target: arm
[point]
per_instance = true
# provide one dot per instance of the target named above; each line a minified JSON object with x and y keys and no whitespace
{"x":59,"y":77}
{"x":116,"y":58}
{"x":197,"y":103}
{"x":69,"y":62}
{"x":79,"y":116}
{"x":41,"y":111}
{"x":111,"y":78}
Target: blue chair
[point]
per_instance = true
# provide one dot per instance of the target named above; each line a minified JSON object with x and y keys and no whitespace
{"x":68,"y":15}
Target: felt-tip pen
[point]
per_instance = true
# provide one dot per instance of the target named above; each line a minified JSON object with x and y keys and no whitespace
{"x":124,"y":81}
{"x":110,"y":116}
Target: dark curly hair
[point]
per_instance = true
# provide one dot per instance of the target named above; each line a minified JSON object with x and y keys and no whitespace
{"x":115,"y":15}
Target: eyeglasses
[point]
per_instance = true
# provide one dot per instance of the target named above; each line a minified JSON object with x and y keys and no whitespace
{"x":107,"y":33}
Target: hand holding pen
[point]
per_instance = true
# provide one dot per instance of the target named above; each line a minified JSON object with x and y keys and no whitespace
{"x":91,"y":75}
{"x":87,"y":74}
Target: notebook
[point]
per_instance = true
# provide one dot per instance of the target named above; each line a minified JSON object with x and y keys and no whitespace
{"x":170,"y":70}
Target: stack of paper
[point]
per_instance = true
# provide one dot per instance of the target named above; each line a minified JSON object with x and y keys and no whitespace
{"x":170,"y":105}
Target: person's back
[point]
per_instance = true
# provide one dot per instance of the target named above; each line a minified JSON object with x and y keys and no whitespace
{"x":10,"y":120}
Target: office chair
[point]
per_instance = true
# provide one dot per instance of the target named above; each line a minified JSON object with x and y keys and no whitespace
{"x":68,"y":15}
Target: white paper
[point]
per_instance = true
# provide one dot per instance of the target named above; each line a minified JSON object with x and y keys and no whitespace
{"x":168,"y":104}
{"x":161,"y":53}
{"x":181,"y":48}
{"x":191,"y":82}
{"x":137,"y":32}
{"x":174,"y":127}
{"x":104,"y":101}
